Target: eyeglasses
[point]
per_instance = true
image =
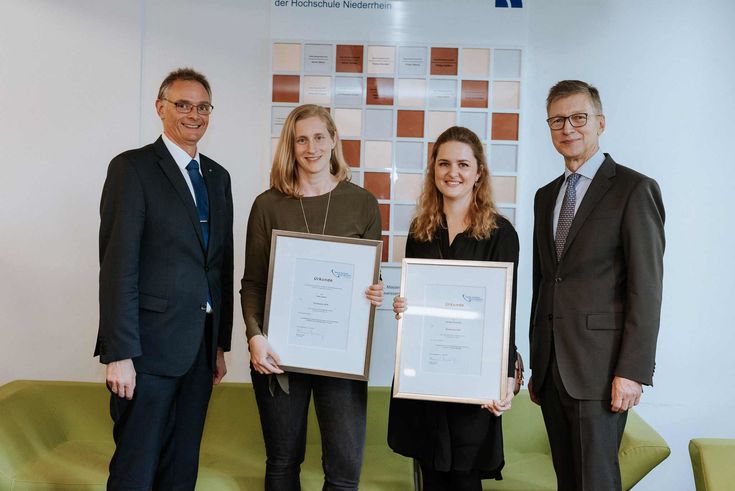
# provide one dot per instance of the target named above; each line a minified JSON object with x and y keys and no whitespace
{"x":186,"y":107}
{"x":577,"y":120}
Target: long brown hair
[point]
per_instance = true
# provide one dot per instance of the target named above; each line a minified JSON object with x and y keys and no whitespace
{"x":284,"y":172}
{"x":482,"y":215}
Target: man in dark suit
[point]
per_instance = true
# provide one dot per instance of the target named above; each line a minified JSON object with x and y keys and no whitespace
{"x":165,"y":292}
{"x":598,"y":248}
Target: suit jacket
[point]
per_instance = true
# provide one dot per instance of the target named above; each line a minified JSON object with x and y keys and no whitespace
{"x":155,"y":273}
{"x":599,"y":305}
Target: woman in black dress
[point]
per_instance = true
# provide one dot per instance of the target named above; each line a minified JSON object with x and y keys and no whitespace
{"x":456,"y":445}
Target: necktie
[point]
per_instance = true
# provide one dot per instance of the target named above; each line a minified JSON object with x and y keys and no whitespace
{"x":566,"y":214}
{"x":200,"y":191}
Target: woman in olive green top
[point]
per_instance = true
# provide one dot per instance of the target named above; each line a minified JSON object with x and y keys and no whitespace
{"x":310,"y":192}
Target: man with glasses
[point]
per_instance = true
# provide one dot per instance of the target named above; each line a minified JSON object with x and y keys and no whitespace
{"x":598,"y":250}
{"x":165,"y":292}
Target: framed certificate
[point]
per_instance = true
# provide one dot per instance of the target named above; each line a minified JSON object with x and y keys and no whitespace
{"x":453,"y":337}
{"x":317,"y":317}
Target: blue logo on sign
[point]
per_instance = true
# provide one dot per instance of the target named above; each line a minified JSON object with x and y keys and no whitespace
{"x":516,"y":4}
{"x":341,"y":274}
{"x":470,"y":298}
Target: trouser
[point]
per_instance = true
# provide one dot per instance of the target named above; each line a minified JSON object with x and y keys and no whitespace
{"x":340,"y":409}
{"x":584,"y":437}
{"x":158,"y":433}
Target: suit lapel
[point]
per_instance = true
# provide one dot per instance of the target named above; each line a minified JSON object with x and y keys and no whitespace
{"x":598,"y":187}
{"x":173,"y":173}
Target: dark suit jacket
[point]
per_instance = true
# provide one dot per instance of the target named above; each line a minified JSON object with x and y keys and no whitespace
{"x":601,"y":302}
{"x":154,"y":270}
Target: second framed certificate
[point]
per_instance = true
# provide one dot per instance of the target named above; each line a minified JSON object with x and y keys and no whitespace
{"x":453,"y":336}
{"x":316,"y":316}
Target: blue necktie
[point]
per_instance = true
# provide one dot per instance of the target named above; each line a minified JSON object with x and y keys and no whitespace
{"x":566,"y":214}
{"x":200,"y":191}
{"x":202,"y":198}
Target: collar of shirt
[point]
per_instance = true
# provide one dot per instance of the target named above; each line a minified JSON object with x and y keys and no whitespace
{"x":180,"y":156}
{"x":589,"y":168}
{"x":587,"y":171}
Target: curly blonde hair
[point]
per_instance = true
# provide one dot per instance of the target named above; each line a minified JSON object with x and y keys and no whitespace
{"x":482,"y":215}
{"x":285,"y":170}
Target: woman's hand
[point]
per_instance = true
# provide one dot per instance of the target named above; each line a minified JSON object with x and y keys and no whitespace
{"x":264,"y":359}
{"x":399,"y":305}
{"x":499,"y":407}
{"x":374,"y":293}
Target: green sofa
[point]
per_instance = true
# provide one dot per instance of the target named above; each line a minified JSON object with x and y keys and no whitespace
{"x":57,"y":436}
{"x":713,"y":463}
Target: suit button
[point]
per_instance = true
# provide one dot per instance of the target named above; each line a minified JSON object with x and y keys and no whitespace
{"x":206,"y":268}
{"x":550,"y":317}
{"x":203,"y":307}
{"x":558,"y":279}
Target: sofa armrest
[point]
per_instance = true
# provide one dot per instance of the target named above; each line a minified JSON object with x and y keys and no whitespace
{"x":712,"y":460}
{"x":641,"y":450}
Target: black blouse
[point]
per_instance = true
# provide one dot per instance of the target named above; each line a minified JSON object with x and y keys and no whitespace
{"x":442,"y":435}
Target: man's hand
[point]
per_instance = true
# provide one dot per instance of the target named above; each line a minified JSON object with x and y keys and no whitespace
{"x":262,"y":356}
{"x":220,"y":367}
{"x":120,"y":378}
{"x":625,"y":394}
{"x":531,"y":393}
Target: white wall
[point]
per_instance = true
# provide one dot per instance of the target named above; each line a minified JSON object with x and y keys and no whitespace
{"x":77,"y":84}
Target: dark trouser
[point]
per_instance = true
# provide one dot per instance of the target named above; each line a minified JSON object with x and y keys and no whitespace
{"x":158,"y":433}
{"x":340,"y":409}
{"x":584,"y":437}
{"x":450,"y":481}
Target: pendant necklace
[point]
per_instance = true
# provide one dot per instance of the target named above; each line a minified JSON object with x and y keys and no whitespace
{"x":326,"y":214}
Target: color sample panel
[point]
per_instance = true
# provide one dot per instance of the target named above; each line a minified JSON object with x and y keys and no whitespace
{"x":378,"y":123}
{"x":349,"y":121}
{"x":475,"y":62}
{"x":286,"y":57}
{"x":317,"y":90}
{"x":474,"y":93}
{"x":409,"y":155}
{"x":381,"y":59}
{"x":412,"y":60}
{"x":506,"y":95}
{"x":438,"y":122}
{"x":399,"y":247}
{"x":410,"y":124}
{"x":504,"y":189}
{"x":444,"y":61}
{"x":402,"y":216}
{"x":509,"y":213}
{"x":349,"y":58}
{"x":411,"y":92}
{"x":505,"y":126}
{"x":378,"y":183}
{"x":408,"y":187}
{"x":507,"y":63}
{"x":386,"y":250}
{"x":318,"y":58}
{"x":442,"y":94}
{"x":384,"y":216}
{"x":347,"y":91}
{"x":286,"y":88}
{"x":278,"y":118}
{"x":379,"y":91}
{"x":475,"y":121}
{"x":378,"y":154}
{"x":351,"y":152}
{"x":504,"y":158}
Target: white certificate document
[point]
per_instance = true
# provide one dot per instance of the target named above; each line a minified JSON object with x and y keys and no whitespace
{"x":453,"y":336}
{"x":322,"y":293}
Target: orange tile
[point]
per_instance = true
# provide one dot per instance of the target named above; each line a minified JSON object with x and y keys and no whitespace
{"x":378,"y":183}
{"x":385,"y":249}
{"x":474,"y":93}
{"x":379,"y":91}
{"x":385,"y":216}
{"x":351,"y":152}
{"x":349,"y":58}
{"x":410,"y":124}
{"x":285,"y":88}
{"x":444,"y":61}
{"x":505,"y":126}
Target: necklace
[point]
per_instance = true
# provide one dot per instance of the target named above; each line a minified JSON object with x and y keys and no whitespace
{"x":326,"y":214}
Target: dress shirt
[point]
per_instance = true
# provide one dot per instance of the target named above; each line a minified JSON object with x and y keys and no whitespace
{"x":586,"y":173}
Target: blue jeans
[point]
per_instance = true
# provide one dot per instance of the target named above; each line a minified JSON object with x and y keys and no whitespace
{"x":340,"y":409}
